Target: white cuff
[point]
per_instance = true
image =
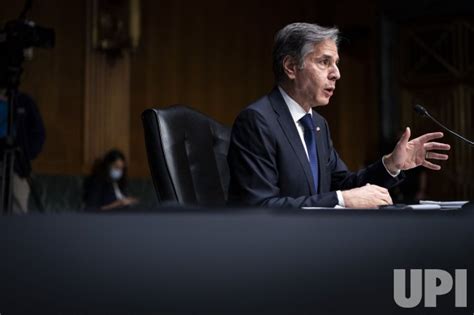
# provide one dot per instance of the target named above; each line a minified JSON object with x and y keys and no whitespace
{"x":391,"y":174}
{"x":340,"y":199}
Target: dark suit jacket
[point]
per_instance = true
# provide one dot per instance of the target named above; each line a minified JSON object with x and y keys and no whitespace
{"x":99,"y":192}
{"x":269,"y":166}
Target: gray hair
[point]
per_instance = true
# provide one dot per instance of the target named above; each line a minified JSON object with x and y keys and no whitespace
{"x":297,"y":40}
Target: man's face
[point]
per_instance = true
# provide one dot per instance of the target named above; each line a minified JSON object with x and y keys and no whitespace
{"x":316,"y":81}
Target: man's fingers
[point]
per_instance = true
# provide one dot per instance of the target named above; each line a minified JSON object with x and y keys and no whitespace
{"x":436,"y":156}
{"x":386,"y":198}
{"x":431,"y":166}
{"x":382,"y":201}
{"x":437,"y":146}
{"x":369,"y":196}
{"x":379,"y":189}
{"x":382,"y":195}
{"x":430,"y":136}
{"x":405,"y":136}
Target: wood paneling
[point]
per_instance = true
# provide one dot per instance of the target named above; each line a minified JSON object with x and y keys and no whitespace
{"x":106,"y":100}
{"x":216,"y":57}
{"x":437,"y":71}
{"x":213,"y":55}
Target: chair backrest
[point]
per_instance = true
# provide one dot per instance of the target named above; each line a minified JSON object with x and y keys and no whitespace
{"x":187,"y":155}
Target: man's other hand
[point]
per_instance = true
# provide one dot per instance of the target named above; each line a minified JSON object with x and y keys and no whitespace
{"x":410,"y":154}
{"x":369,"y":196}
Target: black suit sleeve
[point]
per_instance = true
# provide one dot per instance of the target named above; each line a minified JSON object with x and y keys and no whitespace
{"x":254,"y":171}
{"x":343,"y":179}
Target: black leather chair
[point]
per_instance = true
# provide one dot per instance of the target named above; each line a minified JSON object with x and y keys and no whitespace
{"x":187,"y":155}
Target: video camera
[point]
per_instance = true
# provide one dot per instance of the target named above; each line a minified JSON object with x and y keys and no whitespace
{"x":15,"y":37}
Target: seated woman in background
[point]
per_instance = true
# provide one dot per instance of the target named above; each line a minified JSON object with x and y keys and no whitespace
{"x":106,"y":187}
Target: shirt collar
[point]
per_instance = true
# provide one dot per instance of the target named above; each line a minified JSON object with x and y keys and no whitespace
{"x":297,"y":112}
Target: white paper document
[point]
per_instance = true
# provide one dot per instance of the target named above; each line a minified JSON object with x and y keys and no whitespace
{"x":445,"y":204}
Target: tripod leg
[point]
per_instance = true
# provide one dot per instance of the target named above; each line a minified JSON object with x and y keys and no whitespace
{"x":10,"y":183}
{"x":3,"y":184}
{"x":7,"y":184}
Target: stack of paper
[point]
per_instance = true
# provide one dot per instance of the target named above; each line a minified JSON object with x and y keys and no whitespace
{"x":445,"y":204}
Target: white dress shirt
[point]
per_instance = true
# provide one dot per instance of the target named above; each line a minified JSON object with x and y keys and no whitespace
{"x":297,"y":112}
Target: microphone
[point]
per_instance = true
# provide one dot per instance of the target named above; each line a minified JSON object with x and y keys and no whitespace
{"x":420,"y":110}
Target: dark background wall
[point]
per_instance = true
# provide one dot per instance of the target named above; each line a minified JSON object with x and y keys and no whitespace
{"x":216,"y":56}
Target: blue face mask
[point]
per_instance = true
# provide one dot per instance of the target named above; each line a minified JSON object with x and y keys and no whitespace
{"x":116,"y":174}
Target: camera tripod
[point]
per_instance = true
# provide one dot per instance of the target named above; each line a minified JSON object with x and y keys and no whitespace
{"x":17,"y":36}
{"x":13,"y":155}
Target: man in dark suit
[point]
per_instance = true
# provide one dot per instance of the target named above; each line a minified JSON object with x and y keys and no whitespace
{"x":281,"y":153}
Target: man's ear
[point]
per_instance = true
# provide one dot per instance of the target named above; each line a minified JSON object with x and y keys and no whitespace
{"x":290,"y":66}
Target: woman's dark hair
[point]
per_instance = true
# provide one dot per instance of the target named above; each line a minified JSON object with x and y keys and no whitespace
{"x":101,"y":168}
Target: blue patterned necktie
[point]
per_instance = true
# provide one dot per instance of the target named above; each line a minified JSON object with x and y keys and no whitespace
{"x":310,"y":140}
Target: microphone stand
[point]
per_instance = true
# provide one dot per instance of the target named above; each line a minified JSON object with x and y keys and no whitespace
{"x":420,"y":110}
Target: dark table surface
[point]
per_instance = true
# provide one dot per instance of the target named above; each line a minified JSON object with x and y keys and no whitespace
{"x":228,"y":260}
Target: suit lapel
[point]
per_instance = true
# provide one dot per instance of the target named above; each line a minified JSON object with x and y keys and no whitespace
{"x":289,"y":129}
